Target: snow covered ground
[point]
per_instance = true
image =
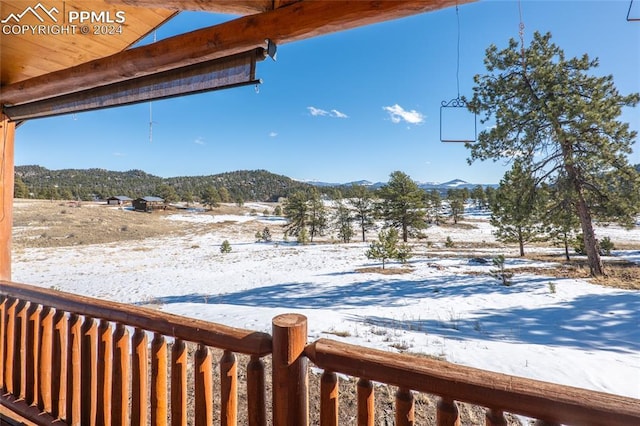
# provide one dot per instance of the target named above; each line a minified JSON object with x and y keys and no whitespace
{"x":566,"y":331}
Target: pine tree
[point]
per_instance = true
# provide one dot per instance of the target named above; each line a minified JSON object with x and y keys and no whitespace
{"x":364,"y":208}
{"x":317,"y":214}
{"x":433,"y":201}
{"x":210,"y":197}
{"x":402,"y":204}
{"x":343,"y":218}
{"x":296,"y":210}
{"x":517,"y":211}
{"x":225,"y":247}
{"x":553,"y":114}
{"x":385,"y":247}
{"x":20,"y":189}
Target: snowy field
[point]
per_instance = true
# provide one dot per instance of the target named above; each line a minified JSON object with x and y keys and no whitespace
{"x":566,"y":331}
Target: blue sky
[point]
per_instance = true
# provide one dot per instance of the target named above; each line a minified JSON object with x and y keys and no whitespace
{"x":347,"y":106}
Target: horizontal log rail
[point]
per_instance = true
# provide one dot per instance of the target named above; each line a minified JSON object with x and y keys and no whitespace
{"x":550,"y":403}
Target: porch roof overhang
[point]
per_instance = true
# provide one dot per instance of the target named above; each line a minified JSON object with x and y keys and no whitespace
{"x":48,"y":65}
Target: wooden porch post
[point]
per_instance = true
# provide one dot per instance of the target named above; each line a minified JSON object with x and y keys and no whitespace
{"x":7,"y":135}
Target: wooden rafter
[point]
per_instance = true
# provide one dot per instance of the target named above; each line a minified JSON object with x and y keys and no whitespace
{"x":239,"y":7}
{"x":294,"y":22}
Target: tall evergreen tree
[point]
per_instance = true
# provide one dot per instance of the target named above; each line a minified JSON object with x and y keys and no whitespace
{"x":343,"y":218}
{"x":317,"y":220}
{"x":456,"y":200}
{"x":517,"y":210}
{"x":551,"y":112}
{"x":296,"y":209}
{"x":363,"y":205}
{"x":20,"y":189}
{"x":210,"y":197}
{"x":433,"y":201}
{"x":560,"y":218}
{"x":402,"y":204}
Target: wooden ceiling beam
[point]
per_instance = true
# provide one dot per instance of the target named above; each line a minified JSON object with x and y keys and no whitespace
{"x":236,"y":7}
{"x":291,"y":23}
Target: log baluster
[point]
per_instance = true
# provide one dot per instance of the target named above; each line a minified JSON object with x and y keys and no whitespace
{"x":158,"y":380}
{"x":46,"y":359}
{"x":59,"y":364}
{"x":139,"y":377}
{"x":22,"y":337}
{"x":74,"y":370}
{"x":256,"y":392}
{"x":3,"y":338}
{"x":105,"y":371}
{"x":366,"y":402}
{"x":228,"y":389}
{"x":120,"y":391}
{"x":89,"y":362}
{"x":203,"y":387}
{"x":447,"y":413}
{"x":179,"y":384}
{"x":329,"y":399}
{"x":405,"y":408}
{"x":495,"y":417}
{"x":33,"y":354}
{"x":11,"y":345}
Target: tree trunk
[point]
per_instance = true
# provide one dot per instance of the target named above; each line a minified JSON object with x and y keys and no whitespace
{"x":405,"y":232}
{"x":590,"y":243}
{"x":521,"y":242}
{"x":566,"y":246}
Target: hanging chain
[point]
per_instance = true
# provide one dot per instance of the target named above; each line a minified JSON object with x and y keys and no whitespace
{"x":521,"y":32}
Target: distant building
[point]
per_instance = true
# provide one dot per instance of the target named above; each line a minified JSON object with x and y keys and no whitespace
{"x":148,"y":204}
{"x":118,"y":200}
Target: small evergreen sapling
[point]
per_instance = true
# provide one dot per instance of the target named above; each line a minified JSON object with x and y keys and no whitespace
{"x":225,"y":247}
{"x":500,"y":273}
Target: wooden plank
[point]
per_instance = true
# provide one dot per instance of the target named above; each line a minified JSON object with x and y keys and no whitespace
{"x":45,"y":369}
{"x":366,"y":402}
{"x":104,"y":372}
{"x":60,"y":352}
{"x":88,"y":381}
{"x":295,"y":22}
{"x":33,"y":354}
{"x":531,"y":398}
{"x":74,"y":371}
{"x":7,"y":141}
{"x":188,"y":329}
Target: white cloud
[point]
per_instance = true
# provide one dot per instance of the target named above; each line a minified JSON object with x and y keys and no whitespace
{"x":273,"y":134}
{"x":318,"y":112}
{"x":399,"y":114}
{"x":199,"y":141}
{"x":118,"y":154}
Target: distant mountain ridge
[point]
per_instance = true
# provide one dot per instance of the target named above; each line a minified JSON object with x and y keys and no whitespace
{"x":247,"y":185}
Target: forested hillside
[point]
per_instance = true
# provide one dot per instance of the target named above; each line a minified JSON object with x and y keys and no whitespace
{"x":90,"y":184}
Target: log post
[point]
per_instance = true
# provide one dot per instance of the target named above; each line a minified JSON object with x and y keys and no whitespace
{"x":289,"y":371}
{"x":7,"y":141}
{"x":329,"y":399}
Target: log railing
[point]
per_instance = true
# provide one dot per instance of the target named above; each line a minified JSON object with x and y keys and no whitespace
{"x":86,"y":362}
{"x":91,"y":362}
